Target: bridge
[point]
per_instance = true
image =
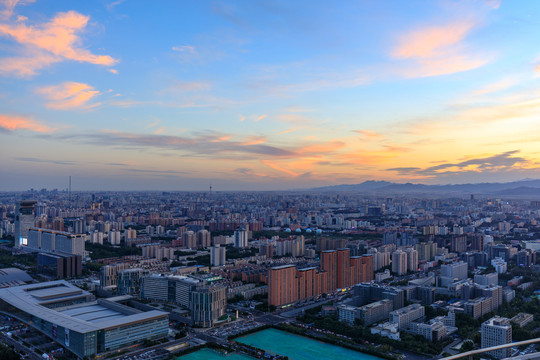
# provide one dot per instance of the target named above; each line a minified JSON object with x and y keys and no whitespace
{"x":493,"y":348}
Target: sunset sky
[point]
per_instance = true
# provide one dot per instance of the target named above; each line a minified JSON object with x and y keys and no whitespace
{"x":267,"y":95}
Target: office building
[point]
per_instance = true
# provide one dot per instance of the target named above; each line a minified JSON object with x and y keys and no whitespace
{"x":55,"y":241}
{"x":208,"y":304}
{"x":491,"y":279}
{"x":367,"y":292}
{"x":129,"y":281}
{"x":497,"y":331}
{"x":86,"y":327}
{"x":24,"y":220}
{"x":108,"y":274}
{"x":404,"y":316}
{"x":374,"y":312}
{"x":59,"y":265}
{"x":169,"y":288}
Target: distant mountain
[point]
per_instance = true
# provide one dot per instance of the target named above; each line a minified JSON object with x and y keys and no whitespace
{"x":521,"y":191}
{"x":522,"y":187}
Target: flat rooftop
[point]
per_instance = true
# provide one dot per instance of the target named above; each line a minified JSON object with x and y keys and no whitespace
{"x":81,"y":314}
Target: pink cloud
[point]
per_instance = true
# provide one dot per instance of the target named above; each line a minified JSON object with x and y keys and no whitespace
{"x":68,"y":95}
{"x":438,"y":50}
{"x":10,"y":6}
{"x":12,"y":123}
{"x":261,"y":117}
{"x":55,"y":41}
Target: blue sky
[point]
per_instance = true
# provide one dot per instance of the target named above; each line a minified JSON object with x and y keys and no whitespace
{"x":263,"y":95}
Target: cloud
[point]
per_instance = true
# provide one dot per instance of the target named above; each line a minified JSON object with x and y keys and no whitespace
{"x":494,"y":4}
{"x":275,"y":166}
{"x":10,"y":123}
{"x":68,"y":95}
{"x":113,"y":71}
{"x":204,"y":144}
{"x":185,"y":49}
{"x":113,"y":4}
{"x":369,"y":135}
{"x":9,"y":6}
{"x":161,"y":172}
{"x":438,"y":50}
{"x":507,"y":161}
{"x":261,"y":117}
{"x":187,"y":86}
{"x":497,"y":86}
{"x":45,"y":44}
{"x":56,"y":162}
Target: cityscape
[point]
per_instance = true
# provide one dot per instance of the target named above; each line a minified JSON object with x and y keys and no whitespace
{"x":213,"y":180}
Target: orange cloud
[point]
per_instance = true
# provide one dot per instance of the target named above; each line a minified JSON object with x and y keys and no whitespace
{"x":12,"y":123}
{"x":10,"y":6}
{"x":368,"y":134}
{"x":69,"y":95}
{"x":279,"y":168}
{"x":254,"y":140}
{"x":432,"y":41}
{"x":49,"y":43}
{"x":438,"y":50}
{"x":320,"y":149}
{"x":261,"y":117}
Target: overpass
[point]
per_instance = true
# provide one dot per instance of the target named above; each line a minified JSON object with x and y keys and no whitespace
{"x":498,"y":347}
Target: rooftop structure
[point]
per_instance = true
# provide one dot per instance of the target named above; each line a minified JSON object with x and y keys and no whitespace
{"x":74,"y":319}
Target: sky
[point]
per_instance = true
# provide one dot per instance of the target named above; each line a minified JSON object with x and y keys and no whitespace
{"x":267,"y":95}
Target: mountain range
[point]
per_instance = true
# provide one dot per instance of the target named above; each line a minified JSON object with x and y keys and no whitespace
{"x":527,"y":187}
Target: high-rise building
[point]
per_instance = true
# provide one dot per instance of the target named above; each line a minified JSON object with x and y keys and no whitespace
{"x":453,"y":271}
{"x":497,"y":331}
{"x":208,"y":304}
{"x":399,"y":262}
{"x":189,"y":240}
{"x":129,"y":281}
{"x":343,"y":268}
{"x":59,"y":265}
{"x":24,"y":219}
{"x":241,"y":238}
{"x":412,"y":259}
{"x":458,"y":244}
{"x":55,"y":241}
{"x":217,"y":255}
{"x":329,"y":263}
{"x":204,"y":239}
{"x":282,"y":285}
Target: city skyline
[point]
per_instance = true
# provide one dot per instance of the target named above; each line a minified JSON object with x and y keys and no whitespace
{"x":267,"y":95}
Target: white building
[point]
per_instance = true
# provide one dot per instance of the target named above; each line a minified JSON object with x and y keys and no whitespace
{"x":217,"y":255}
{"x":499,"y":264}
{"x":497,"y":331}
{"x":404,"y":316}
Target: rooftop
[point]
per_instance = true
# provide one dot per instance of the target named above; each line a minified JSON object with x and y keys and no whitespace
{"x":83,"y":317}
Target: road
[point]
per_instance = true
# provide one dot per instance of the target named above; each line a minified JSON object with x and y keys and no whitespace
{"x":19,"y":346}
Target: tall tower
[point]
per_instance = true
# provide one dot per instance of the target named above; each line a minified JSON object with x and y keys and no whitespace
{"x":24,"y":219}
